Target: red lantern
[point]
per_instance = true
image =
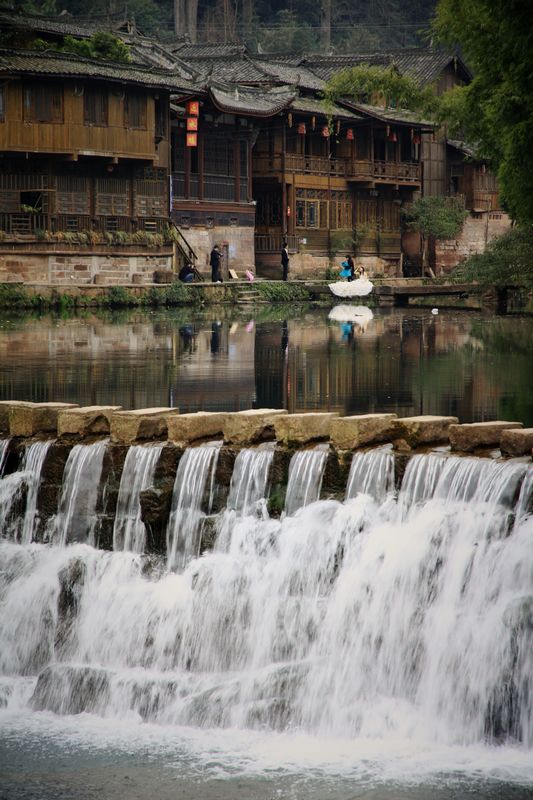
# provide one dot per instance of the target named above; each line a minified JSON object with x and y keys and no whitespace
{"x":192,"y":140}
{"x":349,"y":135}
{"x":392,"y":137}
{"x":325,"y":131}
{"x":301,"y":128}
{"x":192,"y":123}
{"x":416,"y":139}
{"x":193,"y":108}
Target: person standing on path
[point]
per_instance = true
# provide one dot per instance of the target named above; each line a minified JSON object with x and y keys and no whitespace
{"x":285,"y":261}
{"x":214,"y":259}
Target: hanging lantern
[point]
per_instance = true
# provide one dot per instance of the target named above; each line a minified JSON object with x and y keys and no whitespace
{"x":416,"y":139}
{"x":325,"y":131}
{"x":193,"y":108}
{"x":349,"y":135}
{"x":289,"y":119}
{"x":301,"y":128}
{"x":313,"y":122}
{"x":192,"y":123}
{"x":392,"y":137}
{"x":191,"y":140}
{"x":338,"y":127}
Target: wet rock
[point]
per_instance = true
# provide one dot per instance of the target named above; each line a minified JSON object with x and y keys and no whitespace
{"x":298,"y":429}
{"x":141,"y":425}
{"x":254,"y":425}
{"x":425,"y":429}
{"x":517,"y":441}
{"x":85,"y":421}
{"x":155,"y":508}
{"x":348,"y":433}
{"x":468,"y":437}
{"x":66,"y":689}
{"x":335,"y":477}
{"x":71,"y":582}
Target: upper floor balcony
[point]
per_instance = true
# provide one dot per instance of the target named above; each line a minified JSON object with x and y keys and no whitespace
{"x":407,"y":173}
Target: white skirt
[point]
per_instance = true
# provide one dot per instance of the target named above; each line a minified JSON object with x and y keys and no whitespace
{"x":358,"y":288}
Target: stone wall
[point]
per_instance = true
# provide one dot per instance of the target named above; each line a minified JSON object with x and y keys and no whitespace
{"x":478,"y":230}
{"x":236,"y":243}
{"x":78,"y":267}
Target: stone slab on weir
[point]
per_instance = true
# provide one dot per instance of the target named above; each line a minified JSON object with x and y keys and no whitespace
{"x":303,"y":428}
{"x":517,"y":441}
{"x":184,"y":428}
{"x":349,"y":433}
{"x":479,"y":434}
{"x":140,"y":425}
{"x":29,"y":419}
{"x":86,"y":420}
{"x":424,"y":429}
{"x":254,"y":425}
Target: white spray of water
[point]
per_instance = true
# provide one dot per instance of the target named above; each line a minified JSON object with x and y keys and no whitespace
{"x":187,"y":514}
{"x":129,"y":532}
{"x":306,"y":471}
{"x":76,"y":520}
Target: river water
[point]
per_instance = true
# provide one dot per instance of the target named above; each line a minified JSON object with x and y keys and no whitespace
{"x":476,"y":367}
{"x":377,"y":648}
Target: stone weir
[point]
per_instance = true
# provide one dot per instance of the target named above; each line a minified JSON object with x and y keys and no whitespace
{"x":154,"y":480}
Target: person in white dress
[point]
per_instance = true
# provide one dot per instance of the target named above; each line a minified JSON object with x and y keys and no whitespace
{"x":358,"y":288}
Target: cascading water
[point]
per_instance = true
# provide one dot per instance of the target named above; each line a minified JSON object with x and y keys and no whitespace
{"x":76,"y":519}
{"x":27,"y":479}
{"x":196,"y":468}
{"x":247,"y":492}
{"x":129,"y":532}
{"x":402,"y":622}
{"x":305,"y":477}
{"x":4,"y":446}
{"x":371,"y":473}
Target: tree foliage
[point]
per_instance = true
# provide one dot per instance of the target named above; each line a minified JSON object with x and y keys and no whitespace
{"x":101,"y":45}
{"x":366,"y":82}
{"x":496,"y":109}
{"x":507,"y":261}
{"x":440,"y":217}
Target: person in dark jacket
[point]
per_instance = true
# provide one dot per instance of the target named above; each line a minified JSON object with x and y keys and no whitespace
{"x":285,"y":261}
{"x":186,"y":273}
{"x":215,"y":261}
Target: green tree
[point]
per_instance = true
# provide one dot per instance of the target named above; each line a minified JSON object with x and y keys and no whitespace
{"x":365,"y":82}
{"x":436,"y":217}
{"x":507,"y":261}
{"x":496,"y":109}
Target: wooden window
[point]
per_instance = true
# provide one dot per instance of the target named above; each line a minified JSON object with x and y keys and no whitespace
{"x":135,"y":111}
{"x":43,"y":102}
{"x":95,"y":105}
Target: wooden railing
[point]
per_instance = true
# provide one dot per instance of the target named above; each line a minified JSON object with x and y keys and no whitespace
{"x":273,"y":242}
{"x":31,"y":225}
{"x":351,"y":169}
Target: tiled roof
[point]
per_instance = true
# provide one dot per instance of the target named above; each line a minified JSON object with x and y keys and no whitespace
{"x":230,"y":69}
{"x":327,"y":66}
{"x":65,"y":65}
{"x":63,"y":25}
{"x":424,"y":65}
{"x":463,"y":147}
{"x":253,"y":102}
{"x":397,"y":115}
{"x":290,"y":73}
{"x":311,"y":106}
{"x":214,"y":50}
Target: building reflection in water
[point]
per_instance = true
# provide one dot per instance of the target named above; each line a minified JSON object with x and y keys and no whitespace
{"x":402,"y":360}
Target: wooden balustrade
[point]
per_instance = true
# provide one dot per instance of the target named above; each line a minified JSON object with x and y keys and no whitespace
{"x":350,"y":169}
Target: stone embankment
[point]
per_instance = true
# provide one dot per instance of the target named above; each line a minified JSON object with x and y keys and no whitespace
{"x":67,"y":425}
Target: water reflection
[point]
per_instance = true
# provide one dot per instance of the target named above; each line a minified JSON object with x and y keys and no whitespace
{"x":403,"y":360}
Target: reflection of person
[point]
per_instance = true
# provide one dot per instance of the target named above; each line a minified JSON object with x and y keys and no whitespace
{"x":187,"y":334}
{"x":215,"y":336}
{"x":186,"y":273}
{"x":351,"y":267}
{"x":284,"y":336}
{"x":215,"y":260}
{"x":285,"y":261}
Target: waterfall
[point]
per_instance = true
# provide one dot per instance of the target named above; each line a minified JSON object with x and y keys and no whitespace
{"x":371,"y":473}
{"x":12,"y":488}
{"x":408,"y":621}
{"x":249,"y":478}
{"x":4,"y":445}
{"x":305,"y":477}
{"x":76,"y":519}
{"x":247,"y":493}
{"x":197,"y":465}
{"x":129,"y":532}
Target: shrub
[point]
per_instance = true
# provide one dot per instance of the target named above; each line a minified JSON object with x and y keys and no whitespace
{"x":507,"y":261}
